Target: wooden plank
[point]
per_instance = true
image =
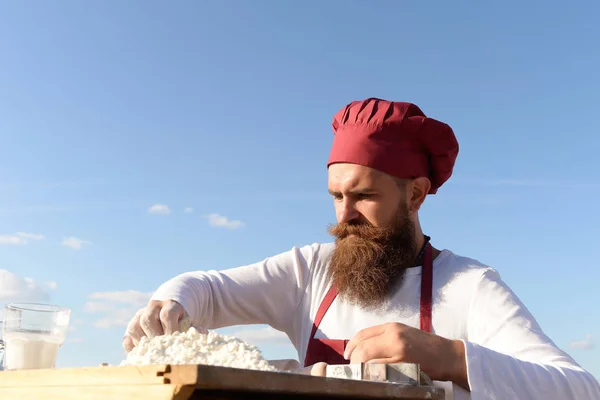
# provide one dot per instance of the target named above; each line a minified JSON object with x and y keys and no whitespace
{"x":188,"y":374}
{"x":231,"y":395}
{"x":211,"y":379}
{"x":182,"y":381}
{"x":126,"y":375}
{"x":112,"y":392}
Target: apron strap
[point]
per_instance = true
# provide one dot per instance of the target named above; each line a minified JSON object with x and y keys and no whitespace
{"x":323,"y":307}
{"x":426,"y":289}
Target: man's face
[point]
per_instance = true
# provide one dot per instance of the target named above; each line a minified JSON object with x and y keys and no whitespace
{"x":375,"y":236}
{"x":364,"y":195}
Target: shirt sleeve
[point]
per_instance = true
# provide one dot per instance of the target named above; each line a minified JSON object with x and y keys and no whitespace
{"x":509,"y":356}
{"x":267,"y":292}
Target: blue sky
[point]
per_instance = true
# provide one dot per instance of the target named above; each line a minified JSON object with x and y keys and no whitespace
{"x":108,"y":108}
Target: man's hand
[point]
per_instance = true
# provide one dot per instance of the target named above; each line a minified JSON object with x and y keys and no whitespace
{"x":158,"y":318}
{"x":440,"y":358}
{"x":318,"y":369}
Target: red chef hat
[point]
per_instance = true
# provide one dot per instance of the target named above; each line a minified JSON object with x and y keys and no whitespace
{"x":396,"y":138}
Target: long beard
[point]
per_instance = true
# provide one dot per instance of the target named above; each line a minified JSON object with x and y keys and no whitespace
{"x":366,"y":266}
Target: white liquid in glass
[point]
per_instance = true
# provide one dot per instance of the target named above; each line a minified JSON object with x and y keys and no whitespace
{"x":30,"y":350}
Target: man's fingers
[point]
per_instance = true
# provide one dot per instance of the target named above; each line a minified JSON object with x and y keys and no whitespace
{"x":372,"y":348}
{"x":318,"y":369}
{"x":128,"y":343}
{"x":134,"y":330}
{"x":150,"y":320}
{"x":361,"y":336}
{"x":201,"y":330}
{"x":156,"y":319}
{"x":170,"y":316}
{"x":388,"y":360}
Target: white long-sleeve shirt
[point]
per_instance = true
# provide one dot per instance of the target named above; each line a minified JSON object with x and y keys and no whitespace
{"x":508,"y":355}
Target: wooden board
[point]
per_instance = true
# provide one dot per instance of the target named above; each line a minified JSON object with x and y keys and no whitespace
{"x":130,"y":375}
{"x":98,"y":383}
{"x":98,"y":392}
{"x":183,"y":382}
{"x":230,"y":379}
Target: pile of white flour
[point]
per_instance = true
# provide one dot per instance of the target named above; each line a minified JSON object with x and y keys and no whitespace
{"x":193,"y":347}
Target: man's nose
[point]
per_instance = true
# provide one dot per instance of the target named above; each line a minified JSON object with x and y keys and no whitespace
{"x":347,"y":212}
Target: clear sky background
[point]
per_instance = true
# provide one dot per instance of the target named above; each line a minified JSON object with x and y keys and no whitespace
{"x":142,"y":139}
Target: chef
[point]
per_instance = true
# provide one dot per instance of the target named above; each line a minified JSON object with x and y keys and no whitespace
{"x":382,"y":292}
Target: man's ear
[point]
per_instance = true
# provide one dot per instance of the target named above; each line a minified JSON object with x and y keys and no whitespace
{"x":417,"y":191}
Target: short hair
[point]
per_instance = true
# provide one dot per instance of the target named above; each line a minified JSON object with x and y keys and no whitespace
{"x":401,"y":183}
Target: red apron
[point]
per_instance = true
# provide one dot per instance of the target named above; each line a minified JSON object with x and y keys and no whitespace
{"x":331,"y":351}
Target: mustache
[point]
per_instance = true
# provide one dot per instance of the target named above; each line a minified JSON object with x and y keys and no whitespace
{"x":364,"y":231}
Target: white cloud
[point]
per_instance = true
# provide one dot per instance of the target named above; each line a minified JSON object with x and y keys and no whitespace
{"x":75,"y":243}
{"x":32,"y":236}
{"x":584,"y":344}
{"x":261,"y":336}
{"x":116,"y":308}
{"x":11,"y":239}
{"x":188,"y":210}
{"x":159,"y":209}
{"x":97,"y":307}
{"x":132,"y":297}
{"x":20,"y":238}
{"x":117,"y":318}
{"x":74,"y":323}
{"x":51,"y":285}
{"x":16,"y":288}
{"x":221,"y":221}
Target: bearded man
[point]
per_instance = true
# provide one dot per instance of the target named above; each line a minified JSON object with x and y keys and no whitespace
{"x":382,"y":292}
